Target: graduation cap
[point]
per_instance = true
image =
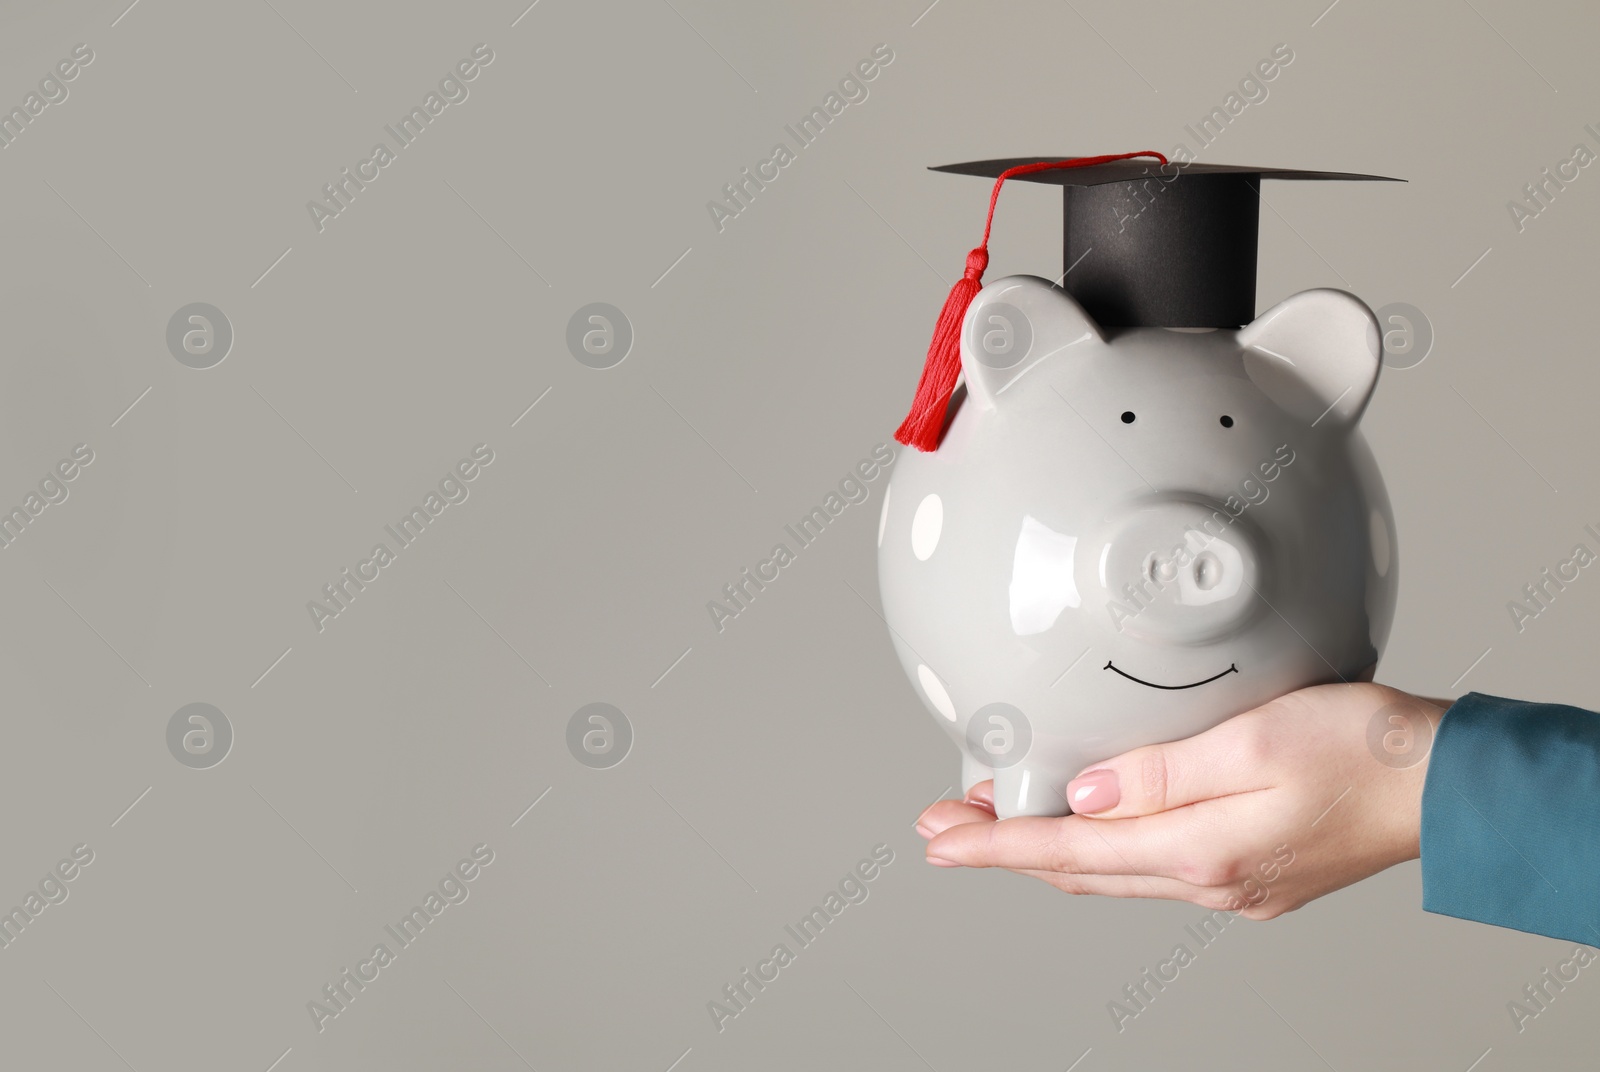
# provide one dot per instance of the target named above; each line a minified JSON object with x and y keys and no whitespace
{"x":1146,"y":243}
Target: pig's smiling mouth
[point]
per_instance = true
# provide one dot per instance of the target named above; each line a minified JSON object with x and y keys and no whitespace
{"x":1232,"y":669}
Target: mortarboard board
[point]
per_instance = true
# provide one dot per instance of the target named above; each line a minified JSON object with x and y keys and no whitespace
{"x":1145,"y":243}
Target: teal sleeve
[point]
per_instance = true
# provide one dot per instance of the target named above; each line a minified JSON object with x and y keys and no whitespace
{"x":1511,"y":817}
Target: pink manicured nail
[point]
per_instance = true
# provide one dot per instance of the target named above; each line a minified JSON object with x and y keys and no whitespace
{"x":939,"y":861}
{"x":1092,"y":792}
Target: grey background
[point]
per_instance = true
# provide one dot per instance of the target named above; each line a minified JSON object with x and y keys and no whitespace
{"x":766,"y":362}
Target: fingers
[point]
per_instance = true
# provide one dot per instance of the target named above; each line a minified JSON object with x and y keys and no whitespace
{"x":1157,"y":845}
{"x":948,"y":813}
{"x":1076,"y":855}
{"x":1232,"y":758}
{"x":977,"y":807}
{"x":944,"y":814}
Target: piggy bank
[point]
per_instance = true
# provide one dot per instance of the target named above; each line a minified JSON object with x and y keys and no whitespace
{"x":1130,"y":535}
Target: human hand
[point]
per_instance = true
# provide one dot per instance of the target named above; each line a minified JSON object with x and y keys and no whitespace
{"x":1269,"y":810}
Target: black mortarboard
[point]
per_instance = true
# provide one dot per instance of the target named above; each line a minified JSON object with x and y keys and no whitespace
{"x":1153,"y":245}
{"x":1145,"y":245}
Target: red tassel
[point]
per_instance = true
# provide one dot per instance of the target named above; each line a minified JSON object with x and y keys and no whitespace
{"x":923,"y":427}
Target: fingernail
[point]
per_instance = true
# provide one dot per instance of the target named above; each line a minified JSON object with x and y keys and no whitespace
{"x":939,"y":861}
{"x":926,"y":831}
{"x":1092,"y":792}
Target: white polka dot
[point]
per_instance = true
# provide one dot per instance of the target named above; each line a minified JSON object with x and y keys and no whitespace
{"x":1380,"y":543}
{"x":926,"y":526}
{"x":936,"y":694}
{"x":883,"y":515}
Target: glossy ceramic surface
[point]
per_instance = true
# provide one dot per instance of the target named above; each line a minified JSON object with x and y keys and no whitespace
{"x":1128,"y":536}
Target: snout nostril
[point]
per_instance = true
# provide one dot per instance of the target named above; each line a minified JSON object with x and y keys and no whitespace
{"x":1158,"y":569}
{"x":1207,"y":572}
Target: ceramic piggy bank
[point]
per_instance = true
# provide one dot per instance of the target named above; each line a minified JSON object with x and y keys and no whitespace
{"x":1130,"y":534}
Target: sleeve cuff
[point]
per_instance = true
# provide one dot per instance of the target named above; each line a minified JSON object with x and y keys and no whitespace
{"x":1511,"y":817}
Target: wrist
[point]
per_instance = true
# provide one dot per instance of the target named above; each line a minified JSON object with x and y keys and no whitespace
{"x":1412,"y":780}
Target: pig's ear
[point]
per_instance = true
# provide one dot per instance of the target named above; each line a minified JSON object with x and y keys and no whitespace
{"x":1011,"y":326}
{"x":1316,"y":355}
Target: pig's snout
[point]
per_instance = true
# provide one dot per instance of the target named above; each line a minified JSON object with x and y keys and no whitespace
{"x":1177,"y":570}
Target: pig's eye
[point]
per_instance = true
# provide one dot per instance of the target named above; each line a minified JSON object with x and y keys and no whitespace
{"x":1227,"y":421}
{"x":1127,"y":417}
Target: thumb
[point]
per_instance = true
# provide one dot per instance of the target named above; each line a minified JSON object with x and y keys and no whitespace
{"x":1231,"y":758}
